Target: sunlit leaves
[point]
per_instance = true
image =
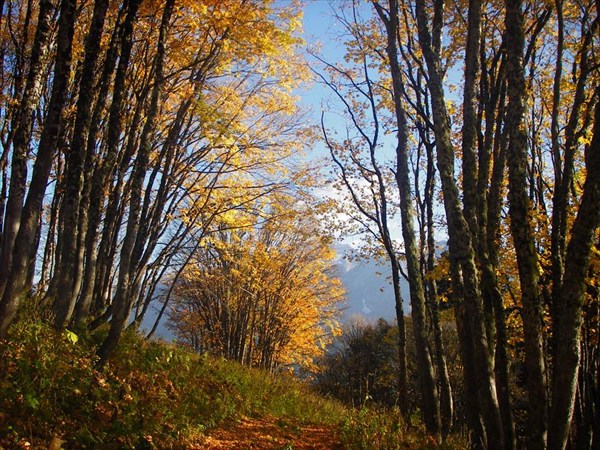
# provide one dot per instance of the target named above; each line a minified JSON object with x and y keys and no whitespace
{"x":262,"y":293}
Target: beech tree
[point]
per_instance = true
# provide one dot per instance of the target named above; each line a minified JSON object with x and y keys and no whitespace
{"x":24,"y":241}
{"x":262,"y":292}
{"x":139,"y":137}
{"x":363,"y":179}
{"x":163,"y":106}
{"x":417,"y":292}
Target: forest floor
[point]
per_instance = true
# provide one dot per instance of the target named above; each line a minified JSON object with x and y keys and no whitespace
{"x":270,"y":433}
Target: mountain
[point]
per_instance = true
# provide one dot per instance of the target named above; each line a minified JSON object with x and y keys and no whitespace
{"x":369,"y":291}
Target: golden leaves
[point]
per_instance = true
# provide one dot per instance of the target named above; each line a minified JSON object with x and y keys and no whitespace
{"x":271,"y":281}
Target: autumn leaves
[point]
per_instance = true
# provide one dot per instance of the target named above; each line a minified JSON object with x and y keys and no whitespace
{"x":136,"y":134}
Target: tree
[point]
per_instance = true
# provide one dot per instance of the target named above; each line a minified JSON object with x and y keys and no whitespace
{"x":521,"y":228}
{"x":28,"y":225}
{"x":362,"y":169}
{"x":165,"y":105}
{"x":417,"y":294}
{"x":359,"y":367}
{"x":518,"y":111}
{"x":263,"y":294}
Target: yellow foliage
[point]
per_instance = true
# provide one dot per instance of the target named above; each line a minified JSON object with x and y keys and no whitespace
{"x":264,"y":294}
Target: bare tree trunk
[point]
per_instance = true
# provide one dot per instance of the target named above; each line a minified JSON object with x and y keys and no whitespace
{"x":490,"y":265}
{"x":445,"y":388}
{"x":114,"y":130}
{"x":460,"y":239}
{"x":380,"y":220}
{"x":123,"y":300}
{"x":402,"y":364}
{"x":564,"y":163}
{"x":469,"y":128}
{"x":66,"y":295}
{"x":22,"y":127}
{"x":521,"y":229}
{"x":16,"y":284}
{"x":49,"y":257}
{"x":467,"y":353}
{"x":429,"y":394}
{"x":568,"y":338}
{"x":94,"y":182}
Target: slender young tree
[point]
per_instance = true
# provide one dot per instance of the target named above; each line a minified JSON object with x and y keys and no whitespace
{"x":374,"y":208}
{"x":429,"y":394}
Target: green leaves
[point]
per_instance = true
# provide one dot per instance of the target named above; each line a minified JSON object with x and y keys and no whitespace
{"x":71,"y":337}
{"x":31,"y":400}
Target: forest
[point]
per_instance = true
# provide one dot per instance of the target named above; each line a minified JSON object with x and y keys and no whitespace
{"x":157,"y":163}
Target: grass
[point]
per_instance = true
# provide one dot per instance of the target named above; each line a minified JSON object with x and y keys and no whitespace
{"x":155,"y":395}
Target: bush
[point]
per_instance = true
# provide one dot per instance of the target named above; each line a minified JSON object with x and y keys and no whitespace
{"x":384,"y":429}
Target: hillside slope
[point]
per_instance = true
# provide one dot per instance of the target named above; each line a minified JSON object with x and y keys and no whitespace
{"x":154,"y":395}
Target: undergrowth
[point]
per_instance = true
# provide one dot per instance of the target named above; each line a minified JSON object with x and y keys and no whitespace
{"x":153,"y":395}
{"x":383,"y":429}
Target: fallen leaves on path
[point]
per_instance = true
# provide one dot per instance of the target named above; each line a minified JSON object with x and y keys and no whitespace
{"x":269,"y":433}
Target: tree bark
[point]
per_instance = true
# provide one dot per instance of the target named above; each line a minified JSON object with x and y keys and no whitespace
{"x":66,"y":295}
{"x":460,"y":239}
{"x":429,"y":393}
{"x":22,"y":127}
{"x":16,"y":284}
{"x":568,"y":339}
{"x":445,"y":388}
{"x":123,"y":300}
{"x":380,"y":219}
{"x":114,"y":129}
{"x":469,"y":128}
{"x":94,"y":183}
{"x":520,"y":211}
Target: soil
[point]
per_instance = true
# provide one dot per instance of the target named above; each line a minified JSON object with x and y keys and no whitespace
{"x":271,"y":434}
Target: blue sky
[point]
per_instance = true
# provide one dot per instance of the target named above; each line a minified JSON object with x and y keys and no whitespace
{"x":322,"y":31}
{"x":319,"y":31}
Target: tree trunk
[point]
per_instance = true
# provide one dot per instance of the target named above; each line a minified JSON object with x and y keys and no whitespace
{"x":16,"y":284}
{"x":429,"y":394}
{"x":66,"y":295}
{"x":402,"y":369}
{"x":445,"y":388}
{"x":22,"y":127}
{"x":521,"y":230}
{"x":123,"y":300}
{"x":94,"y":182}
{"x":470,"y":379}
{"x":460,"y":239}
{"x":568,"y":338}
{"x":492,"y":164}
{"x":469,"y":128}
{"x":114,"y":130}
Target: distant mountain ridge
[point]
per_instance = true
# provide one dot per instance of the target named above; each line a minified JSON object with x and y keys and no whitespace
{"x":369,"y":291}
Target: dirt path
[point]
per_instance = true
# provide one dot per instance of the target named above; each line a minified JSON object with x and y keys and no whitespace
{"x":271,"y":434}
